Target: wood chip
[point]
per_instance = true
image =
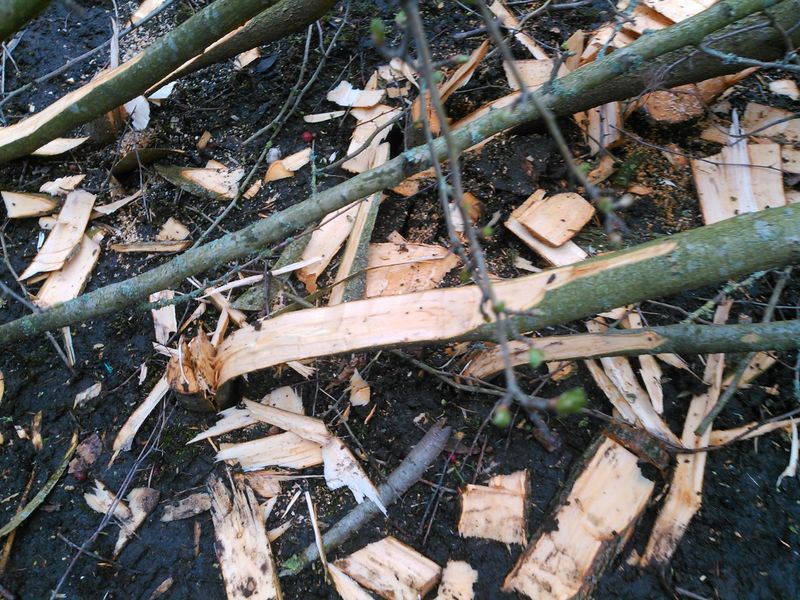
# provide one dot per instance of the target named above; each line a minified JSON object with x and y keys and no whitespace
{"x":402,"y":268}
{"x":242,"y":546}
{"x":458,"y":579}
{"x":187,"y":507}
{"x":215,"y":181}
{"x":497,"y":511}
{"x":69,"y":282}
{"x":140,"y":503}
{"x":151,"y":246}
{"x":567,"y":253}
{"x":63,"y":185}
{"x":347,"y":587}
{"x":65,"y":238}
{"x":173,"y":230}
{"x":392,"y":570}
{"x":595,"y":518}
{"x":21,"y":205}
{"x":534,"y":73}
{"x":164,"y":319}
{"x":785,"y":87}
{"x":285,"y":168}
{"x":509,"y":21}
{"x":322,"y":117}
{"x":124,"y":439}
{"x":282,"y":450}
{"x":59,"y":146}
{"x":686,"y":489}
{"x":554,"y":219}
{"x":774,"y":123}
{"x":345,"y":94}
{"x":359,"y":390}
{"x":245,"y":58}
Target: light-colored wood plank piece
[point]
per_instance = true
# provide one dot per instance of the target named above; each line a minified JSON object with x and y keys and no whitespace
{"x":347,"y":587}
{"x":604,"y":123}
{"x":497,"y":511}
{"x":403,"y":268}
{"x":775,"y":123}
{"x":69,"y":282}
{"x":620,"y":372}
{"x":510,"y":21}
{"x":345,"y":94}
{"x":21,"y":205}
{"x":534,"y":73}
{"x":566,"y":254}
{"x":281,"y":450}
{"x":392,"y":570}
{"x":325,"y":243}
{"x":717,"y":202}
{"x":556,"y":219}
{"x":370,"y":120}
{"x":594,"y":519}
{"x":766,"y":175}
{"x":241,"y":543}
{"x":650,"y":371}
{"x":165,"y":320}
{"x":676,"y":10}
{"x":458,"y":579}
{"x":644,"y":18}
{"x":685,"y":493}
{"x":66,"y":235}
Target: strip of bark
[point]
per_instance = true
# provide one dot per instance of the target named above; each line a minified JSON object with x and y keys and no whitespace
{"x":15,"y":13}
{"x":676,"y":339}
{"x":398,"y":483}
{"x":623,"y":73}
{"x":278,"y":21}
{"x":685,"y":261}
{"x":129,"y":80}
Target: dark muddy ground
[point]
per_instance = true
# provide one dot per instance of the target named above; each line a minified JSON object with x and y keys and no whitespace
{"x":743,"y":543}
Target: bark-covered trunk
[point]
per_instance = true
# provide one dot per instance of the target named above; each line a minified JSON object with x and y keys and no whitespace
{"x":130,"y":79}
{"x":284,"y":18}
{"x":15,"y":13}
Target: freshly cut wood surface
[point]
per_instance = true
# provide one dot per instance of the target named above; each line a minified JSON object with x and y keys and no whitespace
{"x":392,"y":570}
{"x":282,"y":450}
{"x":685,"y":495}
{"x":20,"y":205}
{"x":408,"y":318}
{"x":68,"y":283}
{"x":565,"y":254}
{"x":241,"y":543}
{"x":65,"y":238}
{"x":458,"y":579}
{"x":497,"y":511}
{"x":555,"y":219}
{"x":403,"y":268}
{"x":594,"y":519}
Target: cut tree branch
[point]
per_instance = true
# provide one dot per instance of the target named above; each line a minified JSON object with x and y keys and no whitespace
{"x":684,"y":261}
{"x":624,"y":73}
{"x":129,"y":80}
{"x":676,"y":339}
{"x":278,"y":21}
{"x":15,"y":13}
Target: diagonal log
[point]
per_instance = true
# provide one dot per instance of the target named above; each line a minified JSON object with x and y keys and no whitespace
{"x":684,"y":261}
{"x":624,"y":73}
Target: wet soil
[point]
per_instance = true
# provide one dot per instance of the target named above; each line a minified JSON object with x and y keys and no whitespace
{"x":742,"y":544}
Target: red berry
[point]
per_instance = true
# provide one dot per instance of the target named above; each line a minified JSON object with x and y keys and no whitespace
{"x":308,"y":137}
